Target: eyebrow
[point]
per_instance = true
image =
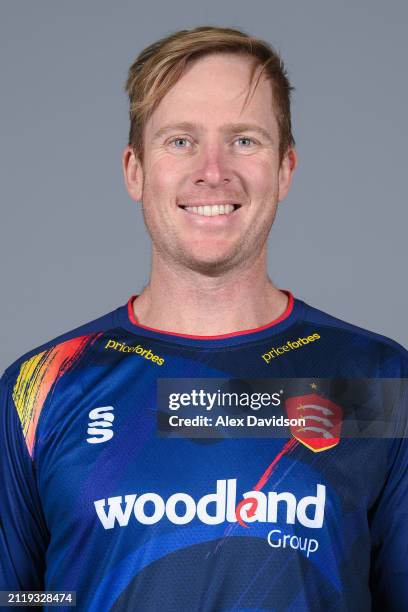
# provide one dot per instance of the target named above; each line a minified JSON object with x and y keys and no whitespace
{"x":187,"y":126}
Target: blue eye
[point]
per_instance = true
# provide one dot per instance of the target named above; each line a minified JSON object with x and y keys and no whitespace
{"x":177,"y":141}
{"x":245,"y":139}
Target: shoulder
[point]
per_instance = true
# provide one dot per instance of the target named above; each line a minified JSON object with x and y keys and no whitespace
{"x":361,"y":343}
{"x":60,"y":353}
{"x":28,"y":384}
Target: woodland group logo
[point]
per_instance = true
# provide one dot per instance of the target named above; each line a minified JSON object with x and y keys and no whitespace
{"x":214,"y":508}
{"x":280,"y":509}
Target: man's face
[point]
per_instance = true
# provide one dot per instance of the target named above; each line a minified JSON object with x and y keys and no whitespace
{"x":201,"y":149}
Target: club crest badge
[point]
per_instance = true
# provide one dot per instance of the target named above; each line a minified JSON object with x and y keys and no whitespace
{"x":323,"y":421}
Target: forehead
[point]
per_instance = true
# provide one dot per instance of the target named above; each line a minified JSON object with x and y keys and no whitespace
{"x":213,"y":89}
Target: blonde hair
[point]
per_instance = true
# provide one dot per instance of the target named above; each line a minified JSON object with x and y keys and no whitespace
{"x":159,"y":66}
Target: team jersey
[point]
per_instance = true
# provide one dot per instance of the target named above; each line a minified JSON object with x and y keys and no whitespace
{"x":98,"y":495}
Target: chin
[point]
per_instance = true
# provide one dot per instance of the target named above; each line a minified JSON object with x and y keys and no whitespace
{"x":210,"y":267}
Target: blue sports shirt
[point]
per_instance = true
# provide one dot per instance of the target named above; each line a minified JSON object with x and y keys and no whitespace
{"x":94,"y":500}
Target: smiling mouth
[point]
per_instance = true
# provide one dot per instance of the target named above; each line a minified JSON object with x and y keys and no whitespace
{"x":211,"y":210}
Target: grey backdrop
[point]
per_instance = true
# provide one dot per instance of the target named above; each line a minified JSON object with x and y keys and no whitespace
{"x":73,"y":245}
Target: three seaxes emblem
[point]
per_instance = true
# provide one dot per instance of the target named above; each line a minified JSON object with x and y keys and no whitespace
{"x":323,"y":421}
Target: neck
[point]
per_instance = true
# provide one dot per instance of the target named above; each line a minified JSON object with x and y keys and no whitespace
{"x":188,"y":302}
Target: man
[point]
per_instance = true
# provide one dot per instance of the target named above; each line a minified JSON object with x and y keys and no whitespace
{"x":111,"y":493}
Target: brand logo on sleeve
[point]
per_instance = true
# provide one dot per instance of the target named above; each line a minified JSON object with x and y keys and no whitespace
{"x":290,"y":345}
{"x":100,"y":424}
{"x":137,"y":349}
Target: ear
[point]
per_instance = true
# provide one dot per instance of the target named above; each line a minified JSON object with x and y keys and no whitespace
{"x":286,"y":170}
{"x":133,"y":174}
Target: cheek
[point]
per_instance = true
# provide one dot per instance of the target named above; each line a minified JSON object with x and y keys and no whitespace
{"x":261,"y":176}
{"x":163,"y":175}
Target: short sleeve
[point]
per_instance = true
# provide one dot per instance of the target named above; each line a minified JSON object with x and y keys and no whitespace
{"x":23,"y":533}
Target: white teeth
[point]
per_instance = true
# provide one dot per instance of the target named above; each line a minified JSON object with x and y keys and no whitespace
{"x":210,"y":211}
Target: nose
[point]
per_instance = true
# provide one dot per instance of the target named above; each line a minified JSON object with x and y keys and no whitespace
{"x":212,"y":167}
